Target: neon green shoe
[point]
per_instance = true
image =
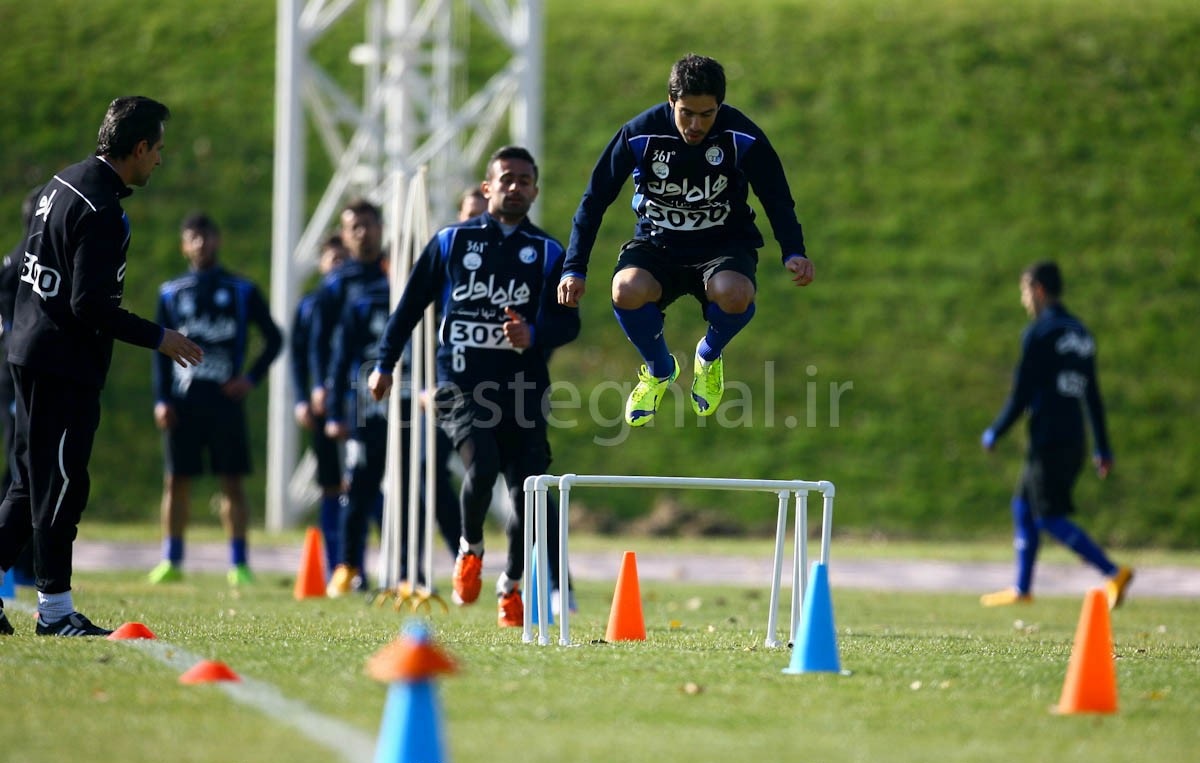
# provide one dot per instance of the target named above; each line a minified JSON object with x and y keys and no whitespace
{"x":708,"y":384}
{"x":240,"y":575}
{"x":644,"y":400}
{"x":165,"y":572}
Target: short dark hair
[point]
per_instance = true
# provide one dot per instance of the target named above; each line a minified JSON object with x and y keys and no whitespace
{"x":199,"y":221}
{"x":1047,"y":274}
{"x":696,"y":75}
{"x":129,"y":121}
{"x":360,"y":205}
{"x":512,"y":152}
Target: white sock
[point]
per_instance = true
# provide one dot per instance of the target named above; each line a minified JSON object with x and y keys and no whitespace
{"x":505,"y":585}
{"x":470,"y":548}
{"x":55,"y":606}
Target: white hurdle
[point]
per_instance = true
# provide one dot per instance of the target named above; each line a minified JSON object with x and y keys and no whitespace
{"x":536,"y":488}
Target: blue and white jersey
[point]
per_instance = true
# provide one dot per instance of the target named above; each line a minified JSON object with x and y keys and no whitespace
{"x":472,"y":271}
{"x":1055,"y":380}
{"x":355,"y":352}
{"x":215,"y":309}
{"x":688,"y":197}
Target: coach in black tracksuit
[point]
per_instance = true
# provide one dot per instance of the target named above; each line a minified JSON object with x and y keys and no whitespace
{"x":68,"y":312}
{"x":493,"y":278}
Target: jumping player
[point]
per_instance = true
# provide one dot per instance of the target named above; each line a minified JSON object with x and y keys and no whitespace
{"x":694,"y":160}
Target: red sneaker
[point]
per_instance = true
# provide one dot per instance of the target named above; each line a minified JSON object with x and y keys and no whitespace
{"x":468,"y":578}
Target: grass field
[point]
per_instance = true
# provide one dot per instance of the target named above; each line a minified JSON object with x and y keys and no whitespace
{"x":932,"y":677}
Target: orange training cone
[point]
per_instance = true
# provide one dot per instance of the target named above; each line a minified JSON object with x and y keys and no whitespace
{"x":310,"y":580}
{"x":625,"y":621}
{"x":130,"y":631}
{"x":208,"y":671}
{"x":1091,"y":684}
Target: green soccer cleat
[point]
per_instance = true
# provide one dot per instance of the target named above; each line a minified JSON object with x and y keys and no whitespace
{"x":240,"y":575}
{"x":165,"y":572}
{"x":708,"y":384}
{"x":644,"y":400}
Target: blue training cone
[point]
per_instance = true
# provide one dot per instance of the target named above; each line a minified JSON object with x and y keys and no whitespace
{"x":815,"y":649}
{"x":412,"y":728}
{"x":8,"y":588}
{"x":411,"y":731}
{"x":532,"y":593}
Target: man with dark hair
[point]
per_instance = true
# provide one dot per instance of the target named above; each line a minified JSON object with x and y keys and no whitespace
{"x":202,"y":410}
{"x":1054,"y":380}
{"x":361,"y":231}
{"x":68,"y":314}
{"x":694,"y":160}
{"x":493,"y":278}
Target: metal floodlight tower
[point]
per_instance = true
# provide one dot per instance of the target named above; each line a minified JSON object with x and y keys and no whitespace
{"x":416,"y":109}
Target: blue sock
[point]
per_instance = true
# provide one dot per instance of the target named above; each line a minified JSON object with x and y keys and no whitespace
{"x":1073,"y":537}
{"x":237,"y":551}
{"x":173,"y":550}
{"x":722,"y":327}
{"x":644,"y":327}
{"x":1026,"y":539}
{"x":330,"y":519}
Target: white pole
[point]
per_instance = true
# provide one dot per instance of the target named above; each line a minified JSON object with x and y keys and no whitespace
{"x":285,"y":227}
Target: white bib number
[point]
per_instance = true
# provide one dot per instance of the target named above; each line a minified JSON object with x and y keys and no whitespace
{"x":686,"y":219}
{"x":486,"y":336}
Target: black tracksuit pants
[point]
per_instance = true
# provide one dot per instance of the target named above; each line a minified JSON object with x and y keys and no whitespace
{"x":56,"y":422}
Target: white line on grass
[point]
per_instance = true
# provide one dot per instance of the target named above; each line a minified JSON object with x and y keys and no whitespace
{"x":350,"y":743}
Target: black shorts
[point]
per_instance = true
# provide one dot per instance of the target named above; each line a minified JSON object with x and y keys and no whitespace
{"x":329,"y":460}
{"x":1048,"y":479}
{"x":218,"y":429}
{"x":521,"y":439}
{"x":682,"y":273}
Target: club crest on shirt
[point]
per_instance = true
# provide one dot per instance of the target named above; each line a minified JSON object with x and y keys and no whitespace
{"x":221,"y":298}
{"x":472,"y":261}
{"x":660,"y":170}
{"x":714,"y":155}
{"x":528,"y":255}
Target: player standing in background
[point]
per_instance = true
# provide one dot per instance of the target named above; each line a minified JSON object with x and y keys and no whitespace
{"x":493,"y":278}
{"x":1054,"y":379}
{"x":329,"y":462}
{"x":68,"y":314}
{"x":202,"y":410}
{"x":693,"y":160}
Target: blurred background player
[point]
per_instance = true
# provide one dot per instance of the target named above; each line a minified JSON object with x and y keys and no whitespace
{"x":360,"y":225}
{"x":325,"y":450}
{"x":1055,"y":380}
{"x":201,"y":410}
{"x":493,"y":278}
{"x":10,"y":277}
{"x":362,"y":422}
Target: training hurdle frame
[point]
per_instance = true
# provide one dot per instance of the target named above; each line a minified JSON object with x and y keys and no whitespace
{"x":536,"y":509}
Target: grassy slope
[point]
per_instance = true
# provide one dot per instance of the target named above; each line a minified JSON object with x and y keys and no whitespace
{"x":934,"y":149}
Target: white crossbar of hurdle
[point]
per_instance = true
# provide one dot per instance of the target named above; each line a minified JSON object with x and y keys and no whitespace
{"x":536,"y":500}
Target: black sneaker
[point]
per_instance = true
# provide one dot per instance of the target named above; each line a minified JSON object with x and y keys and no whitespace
{"x":73,"y":624}
{"x":6,"y":628}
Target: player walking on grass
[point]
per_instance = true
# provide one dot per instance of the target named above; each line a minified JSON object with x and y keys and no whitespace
{"x":494,"y":279}
{"x":1054,"y":380}
{"x":694,"y":160}
{"x":202,"y":410}
{"x":68,"y":313}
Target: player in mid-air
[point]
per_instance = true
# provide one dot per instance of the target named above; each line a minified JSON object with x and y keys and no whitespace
{"x":694,"y":160}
